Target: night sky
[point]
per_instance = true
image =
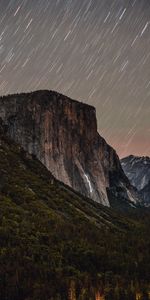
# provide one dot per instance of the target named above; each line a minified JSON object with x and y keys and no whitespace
{"x":96,"y":51}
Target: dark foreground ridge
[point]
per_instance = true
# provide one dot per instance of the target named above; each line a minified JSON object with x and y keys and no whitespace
{"x":57,"y":244}
{"x":62,"y":134}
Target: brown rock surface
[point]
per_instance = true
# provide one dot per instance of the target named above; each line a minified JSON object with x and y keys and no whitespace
{"x":62,"y":133}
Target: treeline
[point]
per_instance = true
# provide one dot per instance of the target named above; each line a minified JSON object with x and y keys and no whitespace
{"x":41,"y":255}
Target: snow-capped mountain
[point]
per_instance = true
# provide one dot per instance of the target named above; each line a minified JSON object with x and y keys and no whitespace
{"x":137,"y":169}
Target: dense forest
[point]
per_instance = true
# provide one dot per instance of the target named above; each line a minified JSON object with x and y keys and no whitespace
{"x":56,"y":244}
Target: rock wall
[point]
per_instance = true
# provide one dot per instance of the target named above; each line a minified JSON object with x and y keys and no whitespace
{"x":62,"y":133}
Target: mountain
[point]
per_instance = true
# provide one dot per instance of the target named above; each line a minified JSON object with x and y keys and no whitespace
{"x":57,"y":244}
{"x":137,"y":169}
{"x":23,"y":178}
{"x":62,"y":134}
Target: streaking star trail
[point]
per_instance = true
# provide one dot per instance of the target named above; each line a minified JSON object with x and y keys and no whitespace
{"x":96,"y":51}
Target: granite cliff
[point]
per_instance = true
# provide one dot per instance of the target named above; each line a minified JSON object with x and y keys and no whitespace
{"x":62,"y":134}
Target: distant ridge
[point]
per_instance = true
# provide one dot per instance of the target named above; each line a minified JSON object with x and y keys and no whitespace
{"x":137,"y":169}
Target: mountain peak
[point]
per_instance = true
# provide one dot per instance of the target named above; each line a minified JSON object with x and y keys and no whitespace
{"x":50,"y":94}
{"x":137,"y":169}
{"x":62,"y":134}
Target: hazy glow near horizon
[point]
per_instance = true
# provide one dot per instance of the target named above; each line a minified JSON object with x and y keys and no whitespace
{"x":91,"y":50}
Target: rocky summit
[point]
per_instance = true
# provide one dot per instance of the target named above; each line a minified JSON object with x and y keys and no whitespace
{"x":62,"y":134}
{"x":137,"y":169}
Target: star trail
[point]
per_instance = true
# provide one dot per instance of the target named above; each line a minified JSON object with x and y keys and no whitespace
{"x":95,"y":51}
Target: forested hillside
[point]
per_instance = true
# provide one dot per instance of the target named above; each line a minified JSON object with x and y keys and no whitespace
{"x":57,"y":244}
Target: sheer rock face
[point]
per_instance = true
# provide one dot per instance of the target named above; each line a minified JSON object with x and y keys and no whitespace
{"x":62,"y":133}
